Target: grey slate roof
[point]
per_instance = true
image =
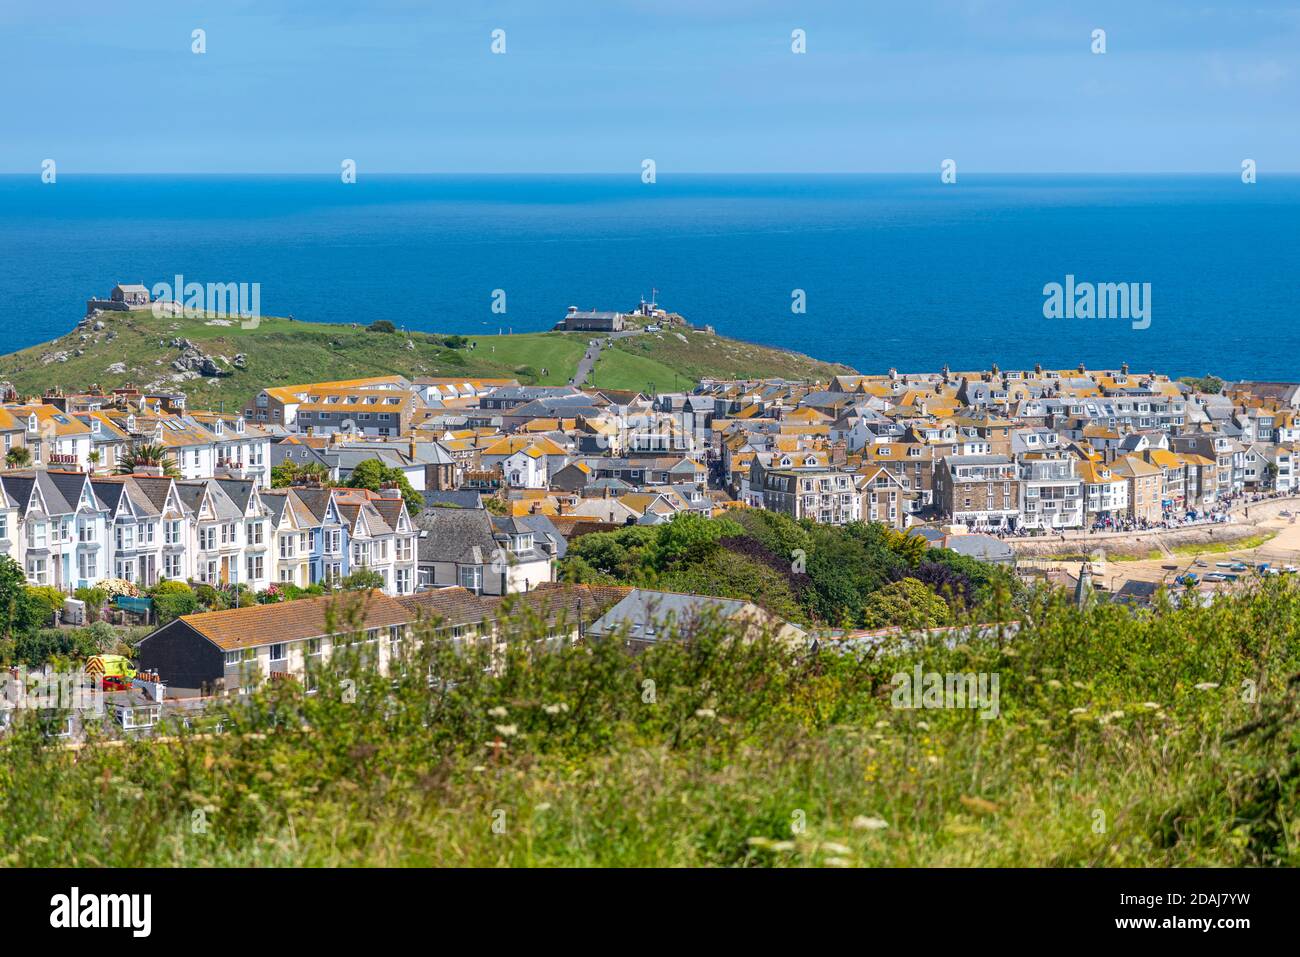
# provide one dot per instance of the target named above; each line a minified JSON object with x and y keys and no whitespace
{"x":462,"y":497}
{"x":455,"y":535}
{"x":651,"y":615}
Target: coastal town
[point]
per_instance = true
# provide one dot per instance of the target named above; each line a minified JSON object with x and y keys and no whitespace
{"x":455,"y":500}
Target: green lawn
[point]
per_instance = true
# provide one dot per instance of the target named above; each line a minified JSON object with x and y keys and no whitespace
{"x":620,"y":369}
{"x":695,"y":354}
{"x":527,"y":354}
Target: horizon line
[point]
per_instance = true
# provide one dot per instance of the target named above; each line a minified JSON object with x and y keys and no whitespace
{"x":635,"y":173}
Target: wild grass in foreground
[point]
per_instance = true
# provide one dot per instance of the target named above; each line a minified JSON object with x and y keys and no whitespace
{"x":1162,"y":738}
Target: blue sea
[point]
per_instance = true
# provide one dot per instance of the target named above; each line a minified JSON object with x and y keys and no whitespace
{"x":898,"y":271}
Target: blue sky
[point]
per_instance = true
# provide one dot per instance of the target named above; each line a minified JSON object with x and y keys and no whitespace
{"x":698,"y":85}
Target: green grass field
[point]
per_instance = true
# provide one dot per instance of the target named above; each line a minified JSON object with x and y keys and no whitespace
{"x":693,"y":354}
{"x":1118,"y":739}
{"x":620,"y":369}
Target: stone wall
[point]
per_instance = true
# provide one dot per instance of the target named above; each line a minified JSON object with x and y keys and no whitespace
{"x":1135,"y":543}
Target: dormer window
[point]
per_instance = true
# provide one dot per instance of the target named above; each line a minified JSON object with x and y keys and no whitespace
{"x":33,"y":424}
{"x":239,"y":424}
{"x":130,"y":423}
{"x":219,"y":427}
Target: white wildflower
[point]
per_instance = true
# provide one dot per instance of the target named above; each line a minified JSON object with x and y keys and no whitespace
{"x":870,"y":824}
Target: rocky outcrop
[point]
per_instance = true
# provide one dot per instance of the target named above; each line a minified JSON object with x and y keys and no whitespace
{"x":194,"y":360}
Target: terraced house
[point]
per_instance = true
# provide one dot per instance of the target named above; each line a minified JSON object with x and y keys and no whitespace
{"x":280,"y":405}
{"x":232,"y":652}
{"x":826,"y":495}
{"x":982,"y":491}
{"x":56,"y":528}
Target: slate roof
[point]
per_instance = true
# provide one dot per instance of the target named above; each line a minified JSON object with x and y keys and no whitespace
{"x":155,"y":487}
{"x":463,"y":497}
{"x":650,"y":615}
{"x":543,"y":528}
{"x":456,"y":535}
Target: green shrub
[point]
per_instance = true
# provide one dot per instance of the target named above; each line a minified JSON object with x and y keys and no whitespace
{"x":46,"y":600}
{"x":45,"y":645}
{"x":171,"y":586}
{"x":210,"y":598}
{"x":171,"y":605}
{"x":906,"y":603}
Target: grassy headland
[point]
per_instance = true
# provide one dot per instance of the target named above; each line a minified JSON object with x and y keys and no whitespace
{"x":136,"y":347}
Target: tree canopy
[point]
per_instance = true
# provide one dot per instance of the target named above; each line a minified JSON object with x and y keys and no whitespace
{"x":804,"y":572}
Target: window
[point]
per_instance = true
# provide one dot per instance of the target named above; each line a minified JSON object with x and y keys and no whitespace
{"x":277,"y":652}
{"x":471,"y":577}
{"x":87,"y":566}
{"x":4,"y":526}
{"x":172,"y":532}
{"x":208,"y":538}
{"x":38,"y":571}
{"x":255,"y":533}
{"x":254,"y":567}
{"x":172,"y":566}
{"x":404,"y":581}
